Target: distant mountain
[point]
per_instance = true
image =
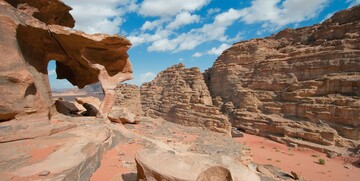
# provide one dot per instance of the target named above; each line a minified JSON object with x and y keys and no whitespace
{"x":90,"y":89}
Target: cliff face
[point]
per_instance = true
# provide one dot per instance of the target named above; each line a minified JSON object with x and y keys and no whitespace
{"x":34,"y":32}
{"x":180,"y":95}
{"x":301,"y":84}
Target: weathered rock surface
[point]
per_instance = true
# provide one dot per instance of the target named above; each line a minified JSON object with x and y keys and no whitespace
{"x":180,"y":95}
{"x":121,"y":115}
{"x":128,"y":96}
{"x":300,"y":83}
{"x":62,"y":149}
{"x":189,"y":167}
{"x":90,"y":103}
{"x":65,"y":107}
{"x":31,"y":36}
{"x":49,"y":12}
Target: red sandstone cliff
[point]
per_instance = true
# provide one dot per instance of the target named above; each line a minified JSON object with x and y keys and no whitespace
{"x":300,"y":85}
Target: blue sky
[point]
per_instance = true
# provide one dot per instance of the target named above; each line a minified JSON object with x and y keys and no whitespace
{"x":193,"y":32}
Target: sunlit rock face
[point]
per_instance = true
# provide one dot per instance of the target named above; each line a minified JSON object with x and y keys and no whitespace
{"x":180,"y":95}
{"x":35,"y":32}
{"x":300,"y":85}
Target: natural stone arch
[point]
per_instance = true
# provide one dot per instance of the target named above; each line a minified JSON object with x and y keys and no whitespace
{"x":81,"y":59}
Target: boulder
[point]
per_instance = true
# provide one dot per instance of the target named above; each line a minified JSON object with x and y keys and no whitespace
{"x":215,"y":173}
{"x":122,"y":116}
{"x":90,"y":110}
{"x":65,"y":107}
{"x":174,"y":166}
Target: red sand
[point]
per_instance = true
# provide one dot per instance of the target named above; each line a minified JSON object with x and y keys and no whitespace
{"x":302,"y":161}
{"x":111,"y":163}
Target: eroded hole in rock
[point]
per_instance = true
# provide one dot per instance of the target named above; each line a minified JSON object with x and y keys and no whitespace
{"x":70,"y":100}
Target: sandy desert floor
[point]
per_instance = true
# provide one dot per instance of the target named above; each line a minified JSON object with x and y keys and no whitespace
{"x":118,"y":163}
{"x":300,"y":160}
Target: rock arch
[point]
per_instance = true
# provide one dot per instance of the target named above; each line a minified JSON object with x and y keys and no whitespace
{"x":27,"y":45}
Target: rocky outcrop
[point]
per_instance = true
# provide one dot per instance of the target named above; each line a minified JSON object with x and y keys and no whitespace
{"x":180,"y":95}
{"x":127,"y":107}
{"x":49,"y":12}
{"x":300,"y":85}
{"x":128,"y":96}
{"x":57,"y":150}
{"x":188,"y":167}
{"x":32,"y":35}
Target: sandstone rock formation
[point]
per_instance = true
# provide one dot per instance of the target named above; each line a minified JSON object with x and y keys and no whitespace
{"x":128,"y":96}
{"x":189,"y":167}
{"x":121,"y":115}
{"x":127,"y":107}
{"x":300,"y":85}
{"x":32,"y":35}
{"x":181,"y":96}
{"x":68,"y":149}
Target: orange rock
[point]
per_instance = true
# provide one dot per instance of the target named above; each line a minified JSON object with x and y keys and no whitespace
{"x":300,"y":83}
{"x":30,"y":40}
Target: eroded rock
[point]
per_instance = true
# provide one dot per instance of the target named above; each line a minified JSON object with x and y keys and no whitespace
{"x":30,"y":40}
{"x":128,"y":96}
{"x":187,"y":166}
{"x":180,"y":95}
{"x":121,"y":116}
{"x":215,"y":173}
{"x":300,"y":83}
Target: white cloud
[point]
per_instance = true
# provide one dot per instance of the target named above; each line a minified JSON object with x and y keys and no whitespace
{"x":151,"y":25}
{"x":219,"y":50}
{"x":148,"y":76}
{"x":271,"y":14}
{"x":195,"y":37}
{"x":52,"y":72}
{"x":238,"y":37}
{"x":276,"y":13}
{"x":182,"y":19}
{"x":197,"y":54}
{"x":213,"y":11}
{"x":169,"y":8}
{"x":162,"y":45}
{"x":100,"y":16}
{"x":146,"y":37}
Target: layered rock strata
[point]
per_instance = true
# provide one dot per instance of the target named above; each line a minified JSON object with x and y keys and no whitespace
{"x":128,"y":96}
{"x":180,"y":95}
{"x":300,"y":85}
{"x":35,"y":32}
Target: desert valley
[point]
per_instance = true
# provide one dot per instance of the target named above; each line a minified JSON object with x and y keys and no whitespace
{"x":283,"y":107}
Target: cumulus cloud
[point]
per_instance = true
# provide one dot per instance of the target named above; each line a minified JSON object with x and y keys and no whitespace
{"x":100,"y":16}
{"x":182,"y":19}
{"x":213,"y":11}
{"x":148,"y":76}
{"x":195,"y":37}
{"x":219,"y":50}
{"x":163,"y":8}
{"x":277,"y":13}
{"x":162,"y":45}
{"x":197,"y":54}
{"x":271,"y":14}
